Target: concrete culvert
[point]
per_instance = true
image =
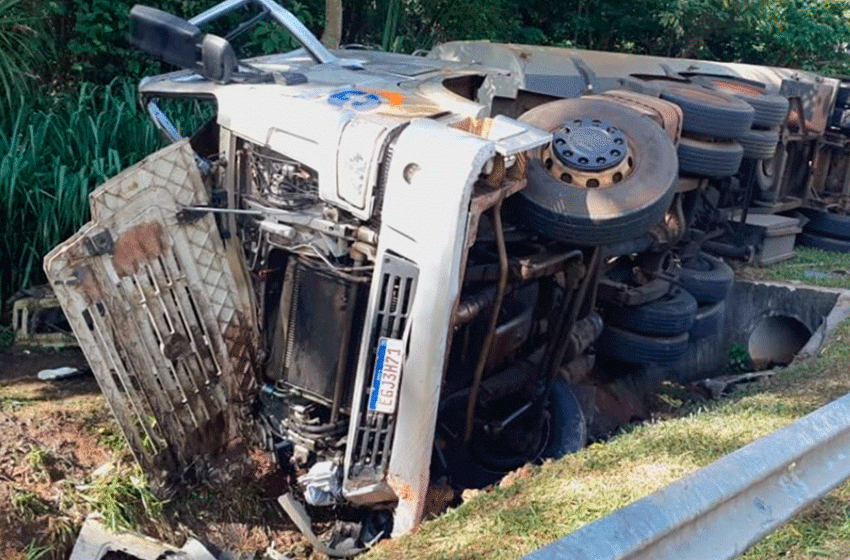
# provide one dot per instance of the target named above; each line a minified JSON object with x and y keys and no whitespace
{"x":776,"y":339}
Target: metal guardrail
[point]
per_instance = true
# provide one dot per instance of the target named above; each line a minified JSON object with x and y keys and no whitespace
{"x":722,"y":509}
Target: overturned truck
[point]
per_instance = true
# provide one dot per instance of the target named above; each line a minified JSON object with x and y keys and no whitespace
{"x":388,"y":270}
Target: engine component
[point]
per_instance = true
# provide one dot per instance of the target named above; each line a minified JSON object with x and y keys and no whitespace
{"x":295,"y":429}
{"x":318,"y":356}
{"x":281,"y":181}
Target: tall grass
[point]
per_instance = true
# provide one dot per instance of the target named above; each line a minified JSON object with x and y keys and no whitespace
{"x":51,"y":159}
{"x":23,"y":48}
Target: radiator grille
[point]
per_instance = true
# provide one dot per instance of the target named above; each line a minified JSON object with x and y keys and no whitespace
{"x":375,"y":430}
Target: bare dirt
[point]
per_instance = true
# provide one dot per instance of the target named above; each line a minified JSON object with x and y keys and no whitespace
{"x":55,"y":434}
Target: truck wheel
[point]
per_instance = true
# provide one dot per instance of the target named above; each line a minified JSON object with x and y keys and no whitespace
{"x":708,"y":319}
{"x":826,"y":223}
{"x":766,"y":173}
{"x":607,"y":177}
{"x":823,"y":242}
{"x":707,"y":278}
{"x":770,"y":110}
{"x":708,"y":112}
{"x":759,"y":144}
{"x":567,"y":425}
{"x":709,"y":159}
{"x":671,"y":314}
{"x":634,"y":348}
{"x":565,"y":432}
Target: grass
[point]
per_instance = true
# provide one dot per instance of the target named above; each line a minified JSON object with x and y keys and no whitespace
{"x":558,"y":498}
{"x":123,"y":499}
{"x":7,"y":335}
{"x":33,"y":552}
{"x":554,"y":500}
{"x":51,"y":159}
{"x":22,"y":47}
{"x":29,"y":504}
{"x":809,"y":266}
{"x":101,"y":424}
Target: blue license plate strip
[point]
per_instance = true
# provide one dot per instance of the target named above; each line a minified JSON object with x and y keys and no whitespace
{"x":387,"y":377}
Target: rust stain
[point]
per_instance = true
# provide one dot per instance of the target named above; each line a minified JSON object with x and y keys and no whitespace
{"x":240,"y":385}
{"x":137,"y":245}
{"x":411,"y":110}
{"x":402,"y":489}
{"x":241,"y":350}
{"x":88,"y":284}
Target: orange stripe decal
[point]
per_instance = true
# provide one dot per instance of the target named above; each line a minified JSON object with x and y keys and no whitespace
{"x":395,"y":99}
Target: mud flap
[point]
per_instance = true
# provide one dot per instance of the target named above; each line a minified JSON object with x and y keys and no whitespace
{"x":163,"y":313}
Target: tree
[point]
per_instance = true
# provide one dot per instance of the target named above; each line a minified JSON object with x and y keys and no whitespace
{"x":333,"y":24}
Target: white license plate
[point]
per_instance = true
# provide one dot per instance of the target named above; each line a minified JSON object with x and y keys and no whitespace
{"x":387,"y":378}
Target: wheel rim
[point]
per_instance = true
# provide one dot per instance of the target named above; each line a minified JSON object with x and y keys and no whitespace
{"x":589,"y":153}
{"x":589,"y":145}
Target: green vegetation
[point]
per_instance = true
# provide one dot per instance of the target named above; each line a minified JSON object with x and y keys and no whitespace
{"x":739,"y":359}
{"x":51,"y":159}
{"x":809,"y":266}
{"x":33,"y":552}
{"x":69,"y":126}
{"x":7,"y":335}
{"x":123,"y":499}
{"x":22,"y":45}
{"x":29,"y":504}
{"x":66,"y":126}
{"x":777,"y":32}
{"x":109,"y":435}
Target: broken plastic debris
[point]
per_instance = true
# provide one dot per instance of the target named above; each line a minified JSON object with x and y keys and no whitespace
{"x":196,"y":550}
{"x":95,"y":542}
{"x":322,"y":484}
{"x":274,"y":554}
{"x":103,"y":470}
{"x":59,"y":373}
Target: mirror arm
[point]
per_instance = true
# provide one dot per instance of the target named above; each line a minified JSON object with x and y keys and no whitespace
{"x":283,"y":16}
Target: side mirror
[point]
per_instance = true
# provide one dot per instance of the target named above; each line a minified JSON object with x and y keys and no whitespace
{"x":218,"y":59}
{"x":165,"y":36}
{"x":178,"y":42}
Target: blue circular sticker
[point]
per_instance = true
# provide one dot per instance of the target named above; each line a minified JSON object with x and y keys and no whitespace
{"x":355,"y":100}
